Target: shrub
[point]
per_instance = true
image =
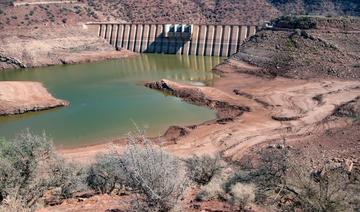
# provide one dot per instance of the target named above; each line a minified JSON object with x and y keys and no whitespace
{"x":242,"y":194}
{"x":13,"y":204}
{"x":156,"y":175}
{"x":214,"y":189}
{"x":106,"y":174}
{"x":66,"y":178}
{"x":282,"y":177}
{"x":330,"y":189}
{"x":201,"y":169}
{"x":239,"y":177}
{"x":29,"y":168}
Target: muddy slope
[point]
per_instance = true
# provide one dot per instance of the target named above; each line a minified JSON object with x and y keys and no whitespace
{"x":225,"y":105}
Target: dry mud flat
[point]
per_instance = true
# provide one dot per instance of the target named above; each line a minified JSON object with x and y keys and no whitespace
{"x":21,"y":97}
{"x":277,"y":108}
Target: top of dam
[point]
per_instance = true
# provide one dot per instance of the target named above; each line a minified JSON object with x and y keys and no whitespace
{"x":167,"y":23}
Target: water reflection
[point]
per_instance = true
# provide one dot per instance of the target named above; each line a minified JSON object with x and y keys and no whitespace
{"x":175,"y":67}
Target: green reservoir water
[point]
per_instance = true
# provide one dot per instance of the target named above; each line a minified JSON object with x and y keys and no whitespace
{"x":107,"y":98}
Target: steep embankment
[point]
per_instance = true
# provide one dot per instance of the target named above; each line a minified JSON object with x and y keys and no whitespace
{"x":21,"y":97}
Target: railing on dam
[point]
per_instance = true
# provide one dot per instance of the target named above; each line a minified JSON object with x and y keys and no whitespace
{"x":211,"y":40}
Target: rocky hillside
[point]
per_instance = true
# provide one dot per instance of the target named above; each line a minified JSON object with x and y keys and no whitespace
{"x":325,"y":47}
{"x":195,"y":11}
{"x":40,"y":15}
{"x":318,"y":7}
{"x":205,"y":11}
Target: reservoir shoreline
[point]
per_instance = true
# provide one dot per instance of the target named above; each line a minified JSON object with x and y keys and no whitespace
{"x":266,"y":114}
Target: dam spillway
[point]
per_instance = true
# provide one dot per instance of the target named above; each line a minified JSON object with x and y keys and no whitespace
{"x":208,"y":40}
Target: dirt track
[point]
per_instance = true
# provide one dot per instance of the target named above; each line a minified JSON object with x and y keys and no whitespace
{"x":21,"y":97}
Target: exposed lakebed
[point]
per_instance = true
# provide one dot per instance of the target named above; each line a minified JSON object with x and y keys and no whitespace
{"x":107,"y":98}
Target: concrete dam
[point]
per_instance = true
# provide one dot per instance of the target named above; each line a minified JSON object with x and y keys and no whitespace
{"x":186,"y":39}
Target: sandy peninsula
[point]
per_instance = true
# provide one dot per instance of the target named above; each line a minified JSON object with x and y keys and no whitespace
{"x":19,"y":97}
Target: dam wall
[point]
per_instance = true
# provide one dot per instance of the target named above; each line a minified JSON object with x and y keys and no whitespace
{"x":210,"y":40}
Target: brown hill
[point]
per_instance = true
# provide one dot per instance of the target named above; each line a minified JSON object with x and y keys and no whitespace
{"x":194,"y":11}
{"x":318,"y":7}
{"x":326,"y":47}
